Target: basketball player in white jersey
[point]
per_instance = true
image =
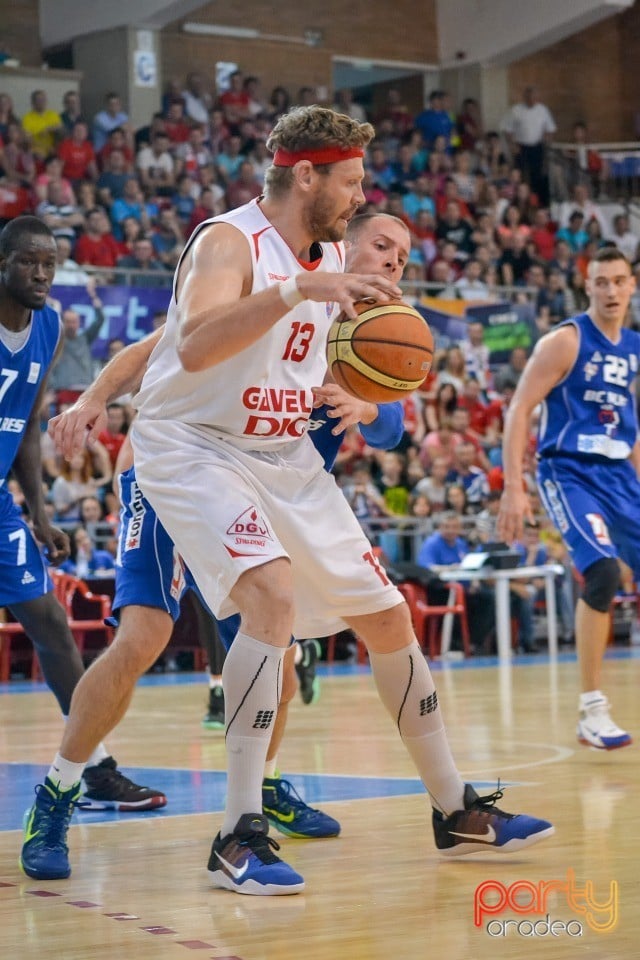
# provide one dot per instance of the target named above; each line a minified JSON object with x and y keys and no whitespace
{"x":223,"y":457}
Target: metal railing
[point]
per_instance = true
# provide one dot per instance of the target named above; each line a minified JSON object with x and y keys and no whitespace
{"x":616,"y":181}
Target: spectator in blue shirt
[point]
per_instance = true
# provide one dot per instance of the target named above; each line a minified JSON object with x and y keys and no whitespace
{"x":86,"y":560}
{"x":435,"y":120}
{"x":575,"y":234}
{"x":446,"y":548}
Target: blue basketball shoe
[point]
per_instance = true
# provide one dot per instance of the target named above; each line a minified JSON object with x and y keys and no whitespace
{"x":244,"y":861}
{"x":285,"y":810}
{"x":45,"y":855}
{"x":482,"y":828}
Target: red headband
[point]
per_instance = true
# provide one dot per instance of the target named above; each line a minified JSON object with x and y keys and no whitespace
{"x":289,"y":158}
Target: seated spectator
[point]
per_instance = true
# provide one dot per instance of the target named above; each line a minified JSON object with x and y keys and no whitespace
{"x":81,"y":476}
{"x":574,"y":233}
{"x":78,"y":156}
{"x":235,"y":101}
{"x":97,"y":246}
{"x":208,"y":206}
{"x":176,"y":125}
{"x":434,"y":484}
{"x":17,"y":158}
{"x":7,"y":114}
{"x":362,"y":496}
{"x":510,"y":373}
{"x":392,"y":483}
{"x":441,"y":405}
{"x":92,"y":518}
{"x":112,"y":437}
{"x":53,"y":174}
{"x":42,"y":125}
{"x":197,"y":100}
{"x":87,"y":197}
{"x":73,"y":370}
{"x":445,"y":549}
{"x":448,"y":193}
{"x":142,"y":259}
{"x":468,"y":475}
{"x":576,"y":298}
{"x":109,"y":119}
{"x":72,"y":112}
{"x":452,"y":228}
{"x":582,"y":201}
{"x":230,"y":158}
{"x":85,"y":559}
{"x":144,"y":135}
{"x":345,"y":103}
{"x":551,"y":299}
{"x":279,"y":104}
{"x":244,"y":187}
{"x":193,"y":155}
{"x":453,"y":369}
{"x":472,"y":401}
{"x":113,"y":179}
{"x":439,"y":443}
{"x":68,"y":272}
{"x":156,"y":166}
{"x":117,"y":140}
{"x":131,"y":204}
{"x":465,"y":179}
{"x":419,"y":198}
{"x":624,"y":239}
{"x":434,"y":121}
{"x":14,"y":200}
{"x":62,"y":218}
{"x":515,"y":262}
{"x":469,"y":286}
{"x":168,"y":238}
{"x":456,"y":500}
{"x":476,"y":356}
{"x":183,"y":201}
{"x":543,"y":234}
{"x":511,"y":226}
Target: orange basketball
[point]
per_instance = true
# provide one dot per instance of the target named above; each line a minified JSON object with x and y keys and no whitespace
{"x":384,"y":354}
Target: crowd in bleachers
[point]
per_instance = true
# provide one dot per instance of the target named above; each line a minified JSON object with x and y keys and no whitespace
{"x":480,"y":219}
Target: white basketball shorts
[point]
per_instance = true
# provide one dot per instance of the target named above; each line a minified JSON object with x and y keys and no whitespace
{"x":228,"y":510}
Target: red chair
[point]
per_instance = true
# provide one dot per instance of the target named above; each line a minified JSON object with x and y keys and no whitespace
{"x":426,"y":617}
{"x":72,"y":592}
{"x":8,"y":630}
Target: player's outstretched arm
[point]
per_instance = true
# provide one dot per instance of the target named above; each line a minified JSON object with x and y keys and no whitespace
{"x":81,"y":423}
{"x":218,"y":316}
{"x":552,"y":359}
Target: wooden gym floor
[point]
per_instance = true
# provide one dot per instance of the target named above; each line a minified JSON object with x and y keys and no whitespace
{"x":139,"y":886}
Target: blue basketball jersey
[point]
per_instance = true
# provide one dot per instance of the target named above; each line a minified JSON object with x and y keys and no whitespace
{"x":591,"y":413}
{"x":21,"y":376}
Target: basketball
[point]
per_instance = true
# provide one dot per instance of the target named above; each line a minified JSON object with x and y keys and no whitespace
{"x":383,"y":355}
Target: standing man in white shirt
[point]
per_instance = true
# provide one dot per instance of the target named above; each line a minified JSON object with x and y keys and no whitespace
{"x":528,"y":126}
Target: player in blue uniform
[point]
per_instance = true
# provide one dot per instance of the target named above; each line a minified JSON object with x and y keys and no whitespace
{"x":151,"y":578}
{"x":30,"y":339}
{"x":583,"y":374}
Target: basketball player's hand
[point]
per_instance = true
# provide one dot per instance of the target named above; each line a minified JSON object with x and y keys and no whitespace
{"x":347,"y":410}
{"x":55,"y":541}
{"x":78,"y":426}
{"x":515,"y":508}
{"x":345,"y":289}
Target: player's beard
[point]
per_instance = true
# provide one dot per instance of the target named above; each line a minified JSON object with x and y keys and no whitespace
{"x":323,"y":222}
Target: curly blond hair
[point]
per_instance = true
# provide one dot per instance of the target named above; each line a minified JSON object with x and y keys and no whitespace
{"x":308,"y":128}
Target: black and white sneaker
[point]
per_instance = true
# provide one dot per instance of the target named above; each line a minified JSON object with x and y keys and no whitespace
{"x":108,"y":789}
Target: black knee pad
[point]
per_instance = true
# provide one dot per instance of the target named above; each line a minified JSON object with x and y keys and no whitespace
{"x":601,"y":582}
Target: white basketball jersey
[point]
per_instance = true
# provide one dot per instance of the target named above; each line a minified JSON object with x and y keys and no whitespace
{"x":261,"y":397}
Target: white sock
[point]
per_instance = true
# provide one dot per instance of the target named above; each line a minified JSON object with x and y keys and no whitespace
{"x":591,"y":696}
{"x":252,"y":680}
{"x":99,"y":754}
{"x":215,"y":681}
{"x":271,"y":767}
{"x":64,"y":773}
{"x":407,"y":690}
{"x":297,"y":653}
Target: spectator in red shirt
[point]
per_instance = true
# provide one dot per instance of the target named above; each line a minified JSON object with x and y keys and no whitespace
{"x":14,"y":200}
{"x":175,"y":123}
{"x":476,"y":409}
{"x":78,"y":156}
{"x":117,"y":140}
{"x":543,"y":234}
{"x":244,"y":187}
{"x":208,"y":206}
{"x":97,"y":246}
{"x":235,"y":101}
{"x":113,"y":436}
